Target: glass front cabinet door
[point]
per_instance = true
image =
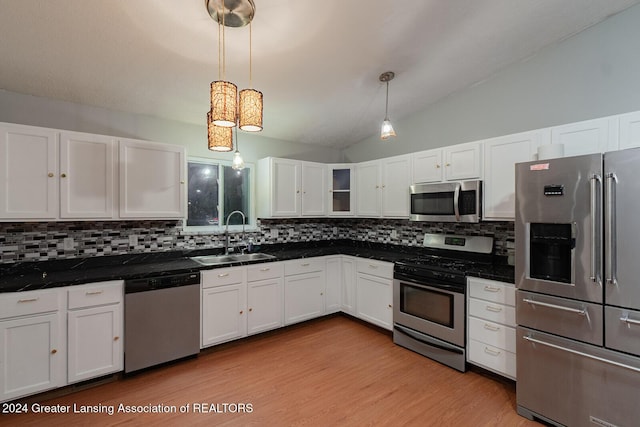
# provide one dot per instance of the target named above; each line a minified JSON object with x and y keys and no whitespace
{"x":341,"y":190}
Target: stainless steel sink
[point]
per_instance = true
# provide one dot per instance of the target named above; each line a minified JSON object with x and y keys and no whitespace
{"x":229,"y":259}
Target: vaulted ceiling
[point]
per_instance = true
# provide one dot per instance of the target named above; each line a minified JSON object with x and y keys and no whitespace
{"x":317,"y":62}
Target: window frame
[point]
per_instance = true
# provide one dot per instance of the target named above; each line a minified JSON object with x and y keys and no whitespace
{"x":216,"y":229}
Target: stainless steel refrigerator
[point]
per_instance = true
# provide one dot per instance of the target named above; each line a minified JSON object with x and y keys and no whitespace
{"x":578,"y":299}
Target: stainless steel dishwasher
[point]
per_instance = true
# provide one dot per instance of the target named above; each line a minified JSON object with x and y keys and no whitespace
{"x":162,"y":320}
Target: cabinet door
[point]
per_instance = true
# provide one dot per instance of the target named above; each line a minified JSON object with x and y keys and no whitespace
{"x":348,"y":293}
{"x":629,"y":130}
{"x":463,"y":161}
{"x":313,"y":187}
{"x":94,"y":342}
{"x":368,"y":195}
{"x":587,"y":137}
{"x":333,"y":286}
{"x":374,"y":297}
{"x":427,"y":166}
{"x":396,"y":174}
{"x":86,"y":175}
{"x":32,"y":356}
{"x":500,"y":156}
{"x":223,"y":313}
{"x":341,"y":190}
{"x":152,"y":177}
{"x":303,"y":297}
{"x":285,"y":183}
{"x":265,"y":305}
{"x":28,"y":172}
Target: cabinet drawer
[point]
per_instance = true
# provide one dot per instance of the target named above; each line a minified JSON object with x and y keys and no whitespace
{"x":304,"y":265}
{"x":222,"y":276}
{"x":31,"y":302}
{"x":95,"y":294}
{"x":375,"y":268}
{"x":494,"y":358}
{"x":490,"y":290}
{"x":495,"y":312}
{"x":268,"y":270}
{"x":492,"y":333}
{"x":622,"y":329}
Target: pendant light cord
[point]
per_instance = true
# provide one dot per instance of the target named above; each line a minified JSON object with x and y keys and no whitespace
{"x":386,"y":104}
{"x":250,"y":56}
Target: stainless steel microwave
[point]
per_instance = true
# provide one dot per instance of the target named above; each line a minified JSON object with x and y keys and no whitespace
{"x":447,"y":202}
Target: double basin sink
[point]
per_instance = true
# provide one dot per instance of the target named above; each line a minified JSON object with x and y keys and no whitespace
{"x":230,"y":259}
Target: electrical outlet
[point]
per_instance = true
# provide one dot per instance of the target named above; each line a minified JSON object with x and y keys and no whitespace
{"x":67,"y":243}
{"x":274,"y":233}
{"x":133,"y":240}
{"x":291,"y":232}
{"x":335,"y":231}
{"x":394,"y":234}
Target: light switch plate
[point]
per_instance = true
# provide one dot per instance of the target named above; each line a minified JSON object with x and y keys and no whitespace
{"x":133,"y":240}
{"x":394,"y":234}
{"x":68,"y":243}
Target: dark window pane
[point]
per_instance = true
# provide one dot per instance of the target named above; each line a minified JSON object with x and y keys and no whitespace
{"x":236,"y":194}
{"x":203,"y":194}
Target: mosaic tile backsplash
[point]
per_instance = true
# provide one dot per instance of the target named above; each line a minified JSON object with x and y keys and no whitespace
{"x":58,"y":240}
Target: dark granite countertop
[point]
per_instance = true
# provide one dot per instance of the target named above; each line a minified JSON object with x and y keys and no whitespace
{"x":25,"y":276}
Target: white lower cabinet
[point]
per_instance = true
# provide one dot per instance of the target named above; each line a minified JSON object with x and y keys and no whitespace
{"x":94,"y":330}
{"x":224,"y":300}
{"x":32,"y":343}
{"x":265,"y":297}
{"x":333,"y":285}
{"x":374,"y":293}
{"x":491,"y":323}
{"x":348,"y":289}
{"x":304,"y":287}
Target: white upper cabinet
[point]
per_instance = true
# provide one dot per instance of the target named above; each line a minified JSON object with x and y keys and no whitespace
{"x":28,"y":172}
{"x":342,"y":201}
{"x":463,"y":161}
{"x":383,"y":187}
{"x":87,"y":164}
{"x":427,"y":166}
{"x":454,"y":163}
{"x":629,"y":130}
{"x":152,"y":180}
{"x":587,"y":137}
{"x":291,"y":188}
{"x":500,"y":156}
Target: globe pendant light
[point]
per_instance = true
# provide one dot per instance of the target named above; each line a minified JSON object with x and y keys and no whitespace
{"x":237,"y":163}
{"x":387,"y":129}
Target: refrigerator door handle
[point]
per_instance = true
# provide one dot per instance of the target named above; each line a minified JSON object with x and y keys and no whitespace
{"x":456,"y":202}
{"x":610,"y":224}
{"x":596,"y":230}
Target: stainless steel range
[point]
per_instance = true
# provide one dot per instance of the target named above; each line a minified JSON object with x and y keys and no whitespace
{"x":429,"y":296}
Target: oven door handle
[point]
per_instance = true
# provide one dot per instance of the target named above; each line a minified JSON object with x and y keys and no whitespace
{"x":418,"y":337}
{"x":456,"y":202}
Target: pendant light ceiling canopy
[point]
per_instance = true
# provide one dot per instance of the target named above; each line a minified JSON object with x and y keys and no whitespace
{"x":228,"y":108}
{"x":386,"y":130}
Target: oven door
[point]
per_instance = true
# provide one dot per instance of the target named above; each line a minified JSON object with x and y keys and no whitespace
{"x":446,"y":202}
{"x":434,"y":311}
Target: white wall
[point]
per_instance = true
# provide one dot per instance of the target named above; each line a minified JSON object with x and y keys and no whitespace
{"x":595,"y":73}
{"x":45,"y":112}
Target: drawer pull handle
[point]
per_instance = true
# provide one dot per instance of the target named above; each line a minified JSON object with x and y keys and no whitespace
{"x":93,"y":292}
{"x":491,"y":289}
{"x":491,"y":327}
{"x":373,"y":266}
{"x":628,"y":321}
{"x":306,"y":264}
{"x":265,"y":269}
{"x":578,"y":311}
{"x":20,"y":301}
{"x":493,"y":309}
{"x":492,"y":352}
{"x":223,"y":274}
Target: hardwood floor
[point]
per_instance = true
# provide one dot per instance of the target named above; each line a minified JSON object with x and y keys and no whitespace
{"x":333,"y":371}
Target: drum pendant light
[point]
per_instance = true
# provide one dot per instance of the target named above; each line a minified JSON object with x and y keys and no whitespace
{"x":250,"y":107}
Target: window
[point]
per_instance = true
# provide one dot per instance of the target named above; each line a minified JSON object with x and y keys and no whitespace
{"x":214,"y":191}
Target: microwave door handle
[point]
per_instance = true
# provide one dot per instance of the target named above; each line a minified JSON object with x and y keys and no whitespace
{"x":610,"y":224}
{"x":456,"y":199}
{"x":596,"y":230}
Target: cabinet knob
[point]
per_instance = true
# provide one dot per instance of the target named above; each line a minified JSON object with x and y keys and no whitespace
{"x":251,"y":309}
{"x":241,"y":311}
{"x":64,"y":175}
{"x":116,"y":338}
{"x":330,"y":191}
{"x":448,"y":164}
{"x":297,"y":191}
{"x":389,"y":305}
{"x":54,"y":351}
{"x":181,"y":182}
{"x":321,"y":293}
{"x":50,"y":175}
{"x":437,"y":166}
{"x":384,"y":186}
{"x":377,"y":186}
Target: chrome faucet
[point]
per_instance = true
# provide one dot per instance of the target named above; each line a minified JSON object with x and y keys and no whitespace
{"x":226,"y":230}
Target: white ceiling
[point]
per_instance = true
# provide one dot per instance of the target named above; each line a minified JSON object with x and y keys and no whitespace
{"x":317,"y":62}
